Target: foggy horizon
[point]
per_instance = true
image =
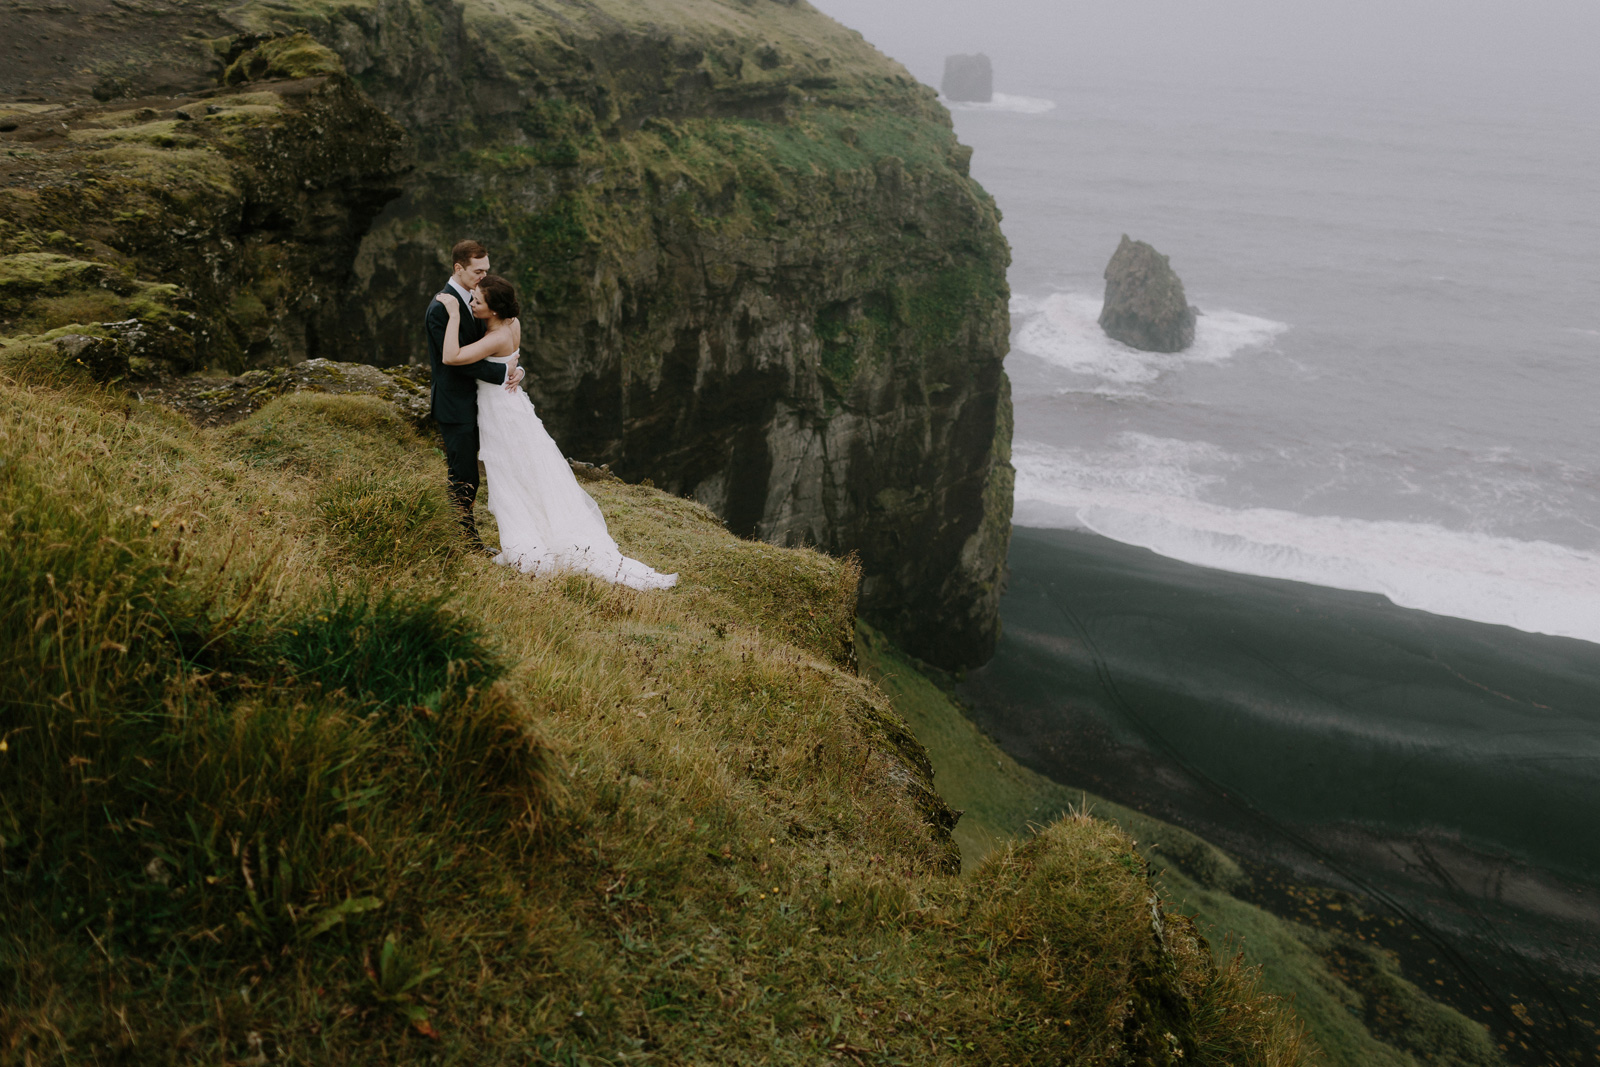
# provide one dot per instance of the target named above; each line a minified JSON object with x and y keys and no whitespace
{"x":1535,"y":54}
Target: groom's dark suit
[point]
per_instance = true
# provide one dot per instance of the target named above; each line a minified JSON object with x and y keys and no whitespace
{"x":455,"y":403}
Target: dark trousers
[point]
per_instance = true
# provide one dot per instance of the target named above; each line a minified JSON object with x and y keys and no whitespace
{"x":461,"y":459}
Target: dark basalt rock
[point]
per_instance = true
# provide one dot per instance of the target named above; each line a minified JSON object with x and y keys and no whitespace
{"x":1145,"y":307}
{"x":222,"y":401}
{"x":103,"y":357}
{"x":969,"y":79}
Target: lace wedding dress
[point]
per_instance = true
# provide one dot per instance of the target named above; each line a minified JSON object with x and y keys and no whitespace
{"x":547,"y":522}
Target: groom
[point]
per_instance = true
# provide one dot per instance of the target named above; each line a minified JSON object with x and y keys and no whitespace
{"x":455,"y":389}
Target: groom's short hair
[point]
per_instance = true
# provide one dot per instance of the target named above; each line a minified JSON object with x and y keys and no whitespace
{"x":466,"y":251}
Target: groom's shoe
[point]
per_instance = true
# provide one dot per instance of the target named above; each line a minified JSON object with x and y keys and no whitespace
{"x":470,"y":530}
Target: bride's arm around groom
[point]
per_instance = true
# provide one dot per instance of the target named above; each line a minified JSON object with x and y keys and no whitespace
{"x":454,"y":388}
{"x":501,"y":339}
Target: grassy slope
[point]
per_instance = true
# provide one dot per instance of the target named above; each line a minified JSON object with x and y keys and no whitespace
{"x":1004,"y":801}
{"x":264,"y":795}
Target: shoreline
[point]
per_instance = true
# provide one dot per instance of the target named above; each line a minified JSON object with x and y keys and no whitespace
{"x":1443,"y":772}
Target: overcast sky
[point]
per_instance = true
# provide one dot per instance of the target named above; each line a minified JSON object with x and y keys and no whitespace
{"x":1534,"y":51}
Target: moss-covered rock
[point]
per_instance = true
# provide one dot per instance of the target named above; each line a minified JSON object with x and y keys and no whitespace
{"x":212,"y":227}
{"x":223,"y":401}
{"x":296,"y":55}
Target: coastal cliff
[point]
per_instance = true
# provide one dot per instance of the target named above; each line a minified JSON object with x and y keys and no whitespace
{"x":761,"y":276}
{"x":286,"y":776}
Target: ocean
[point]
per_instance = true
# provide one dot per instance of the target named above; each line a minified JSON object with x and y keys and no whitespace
{"x":1394,"y":379}
{"x":1325,"y":587}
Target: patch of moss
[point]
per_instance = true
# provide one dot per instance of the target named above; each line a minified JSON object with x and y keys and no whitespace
{"x":41,"y":291}
{"x":560,"y":132}
{"x":247,"y":310}
{"x":165,"y":133}
{"x":854,"y":334}
{"x":297,"y":55}
{"x":24,"y":274}
{"x":549,"y":245}
{"x":834,"y":139}
{"x":938,"y":304}
{"x":93,"y":329}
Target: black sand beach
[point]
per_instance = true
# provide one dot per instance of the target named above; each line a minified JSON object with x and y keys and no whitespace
{"x":1445,"y":773}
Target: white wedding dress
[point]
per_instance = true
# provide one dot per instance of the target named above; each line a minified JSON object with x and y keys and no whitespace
{"x":547,"y":522}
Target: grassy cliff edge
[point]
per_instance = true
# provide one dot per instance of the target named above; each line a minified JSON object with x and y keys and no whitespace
{"x":287,"y":778}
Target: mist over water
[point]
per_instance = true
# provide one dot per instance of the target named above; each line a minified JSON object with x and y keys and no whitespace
{"x":1390,"y":216}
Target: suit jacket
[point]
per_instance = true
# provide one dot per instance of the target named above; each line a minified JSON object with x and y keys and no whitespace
{"x":455,"y":389}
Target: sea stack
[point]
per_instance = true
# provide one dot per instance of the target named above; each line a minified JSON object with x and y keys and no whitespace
{"x":1145,"y":307}
{"x":969,"y":79}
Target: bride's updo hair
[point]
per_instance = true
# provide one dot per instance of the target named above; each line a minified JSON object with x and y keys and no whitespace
{"x":500,"y":296}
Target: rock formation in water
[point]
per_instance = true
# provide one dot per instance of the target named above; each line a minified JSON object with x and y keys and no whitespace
{"x":968,"y":79}
{"x":760,"y":274}
{"x":1145,"y":307}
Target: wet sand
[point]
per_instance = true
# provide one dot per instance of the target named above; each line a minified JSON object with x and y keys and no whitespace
{"x":1445,"y":773}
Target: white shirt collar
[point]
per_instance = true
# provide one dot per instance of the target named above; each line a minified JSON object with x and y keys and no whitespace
{"x":466,"y":297}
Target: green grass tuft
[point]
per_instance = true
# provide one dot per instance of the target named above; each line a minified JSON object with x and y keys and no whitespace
{"x":384,"y":650}
{"x":396,"y":518}
{"x":294,"y":56}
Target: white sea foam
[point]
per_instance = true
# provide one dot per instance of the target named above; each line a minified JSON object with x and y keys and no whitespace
{"x":1017,"y":105}
{"x":1063,"y":329}
{"x":1146,"y":491}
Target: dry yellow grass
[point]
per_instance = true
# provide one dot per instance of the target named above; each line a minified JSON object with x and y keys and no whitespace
{"x":289,"y":777}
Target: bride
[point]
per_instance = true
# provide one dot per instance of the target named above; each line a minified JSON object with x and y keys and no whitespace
{"x":547,"y":522}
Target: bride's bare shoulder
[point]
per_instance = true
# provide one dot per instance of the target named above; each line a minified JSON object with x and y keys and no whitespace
{"x":505,"y":340}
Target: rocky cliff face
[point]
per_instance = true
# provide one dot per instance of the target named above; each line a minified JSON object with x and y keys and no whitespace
{"x":760,"y":274}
